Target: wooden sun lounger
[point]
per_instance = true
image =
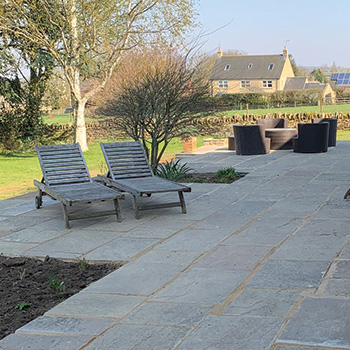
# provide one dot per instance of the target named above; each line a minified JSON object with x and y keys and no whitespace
{"x":66,"y":178}
{"x":129,"y":171}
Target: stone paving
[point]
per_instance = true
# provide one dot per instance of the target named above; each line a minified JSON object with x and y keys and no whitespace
{"x":262,"y":263}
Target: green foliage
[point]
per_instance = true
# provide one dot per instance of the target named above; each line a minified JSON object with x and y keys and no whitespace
{"x":57,"y":285}
{"x":260,"y":100}
{"x":225,"y":175}
{"x":319,"y":76}
{"x":173,"y":170}
{"x":83,"y":265}
{"x":20,"y":131}
{"x":23,"y":305}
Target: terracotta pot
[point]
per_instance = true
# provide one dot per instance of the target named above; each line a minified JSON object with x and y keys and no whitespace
{"x":189,"y":144}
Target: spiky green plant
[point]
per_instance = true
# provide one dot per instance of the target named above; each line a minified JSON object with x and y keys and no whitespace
{"x":173,"y":170}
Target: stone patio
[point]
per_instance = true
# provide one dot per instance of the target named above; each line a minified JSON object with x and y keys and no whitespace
{"x":262,"y":263}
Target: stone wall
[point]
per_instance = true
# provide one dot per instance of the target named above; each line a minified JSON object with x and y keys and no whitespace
{"x":222,"y":126}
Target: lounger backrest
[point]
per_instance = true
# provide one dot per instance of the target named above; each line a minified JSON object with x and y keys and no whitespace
{"x":62,"y":164}
{"x":126,"y":160}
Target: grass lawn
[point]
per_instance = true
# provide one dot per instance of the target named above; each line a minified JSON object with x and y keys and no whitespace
{"x":64,"y":118}
{"x":18,"y":170}
{"x":345,"y":108}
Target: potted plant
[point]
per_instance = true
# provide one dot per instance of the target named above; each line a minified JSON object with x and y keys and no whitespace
{"x":189,"y":139}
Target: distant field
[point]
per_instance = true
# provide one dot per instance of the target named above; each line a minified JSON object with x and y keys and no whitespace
{"x":345,"y":108}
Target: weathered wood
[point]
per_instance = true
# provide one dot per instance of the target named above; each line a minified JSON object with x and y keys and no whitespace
{"x":67,"y":179}
{"x":129,"y":171}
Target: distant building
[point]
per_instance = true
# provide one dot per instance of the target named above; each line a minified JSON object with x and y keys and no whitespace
{"x":259,"y":73}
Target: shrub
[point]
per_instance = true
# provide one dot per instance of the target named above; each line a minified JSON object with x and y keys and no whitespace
{"x":173,"y":170}
{"x":225,"y":175}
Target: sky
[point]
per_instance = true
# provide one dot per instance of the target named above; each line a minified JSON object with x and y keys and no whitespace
{"x":317,"y":30}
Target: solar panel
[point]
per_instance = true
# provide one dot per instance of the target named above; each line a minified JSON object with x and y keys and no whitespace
{"x":339,"y":82}
{"x":341,"y":76}
{"x":346,"y":82}
{"x":347,"y":76}
{"x":335,"y":76}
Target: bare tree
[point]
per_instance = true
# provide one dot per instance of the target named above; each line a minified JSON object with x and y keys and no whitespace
{"x":93,"y":34}
{"x":159,"y":104}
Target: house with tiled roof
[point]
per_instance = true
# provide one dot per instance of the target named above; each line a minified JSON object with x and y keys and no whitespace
{"x":260,"y":73}
{"x":302,"y":83}
{"x":251,"y":73}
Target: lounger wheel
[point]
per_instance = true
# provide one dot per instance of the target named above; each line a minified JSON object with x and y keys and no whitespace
{"x":38,"y":202}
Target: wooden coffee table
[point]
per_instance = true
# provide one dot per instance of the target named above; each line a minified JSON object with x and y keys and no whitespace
{"x":281,"y":138}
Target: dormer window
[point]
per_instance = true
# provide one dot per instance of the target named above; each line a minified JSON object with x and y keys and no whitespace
{"x":250,"y":65}
{"x":227,"y":67}
{"x":270,"y":67}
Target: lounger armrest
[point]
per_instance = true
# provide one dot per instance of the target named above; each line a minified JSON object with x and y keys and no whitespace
{"x":52,"y":193}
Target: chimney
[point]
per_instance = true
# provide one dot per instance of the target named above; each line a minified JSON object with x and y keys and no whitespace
{"x":219,"y":53}
{"x":285,"y":52}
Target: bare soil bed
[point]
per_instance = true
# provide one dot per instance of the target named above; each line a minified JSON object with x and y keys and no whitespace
{"x":30,"y":287}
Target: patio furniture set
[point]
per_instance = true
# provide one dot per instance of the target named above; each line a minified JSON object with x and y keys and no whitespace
{"x":66,"y":178}
{"x":274,"y":134}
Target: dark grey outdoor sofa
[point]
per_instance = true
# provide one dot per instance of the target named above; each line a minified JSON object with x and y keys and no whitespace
{"x":312,"y":138}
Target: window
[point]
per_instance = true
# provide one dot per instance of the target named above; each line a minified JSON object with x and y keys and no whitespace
{"x":223,"y":84}
{"x":245,"y":83}
{"x":270,"y":67}
{"x":227,"y":67}
{"x":250,"y":65}
{"x":267,"y":83}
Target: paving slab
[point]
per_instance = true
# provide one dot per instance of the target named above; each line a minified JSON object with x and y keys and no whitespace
{"x":342,"y":270}
{"x":96,"y":305}
{"x":73,"y":243}
{"x":199,"y":286}
{"x":32,"y":235}
{"x":234,"y":257}
{"x":310,"y":246}
{"x":139,"y":337}
{"x":67,"y":325}
{"x":337,"y":288}
{"x":136,"y":278}
{"x":290,"y":274}
{"x":345,"y":254}
{"x":175,"y":314}
{"x":328,"y":327}
{"x":194,"y":240}
{"x":265,"y":231}
{"x":263,"y":302}
{"x":171,"y":257}
{"x":43,"y":342}
{"x":227,"y":333}
{"x":121,"y":249}
{"x":15,"y":248}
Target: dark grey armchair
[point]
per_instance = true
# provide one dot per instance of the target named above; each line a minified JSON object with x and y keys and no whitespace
{"x":251,"y":140}
{"x":312,"y":138}
{"x":332,"y":140}
{"x":271,"y":123}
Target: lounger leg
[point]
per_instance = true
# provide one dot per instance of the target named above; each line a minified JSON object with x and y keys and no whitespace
{"x":117,"y":209}
{"x":347,"y":194}
{"x":136,"y":207}
{"x":182,"y":201}
{"x":39,"y":199}
{"x":65,"y":215}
